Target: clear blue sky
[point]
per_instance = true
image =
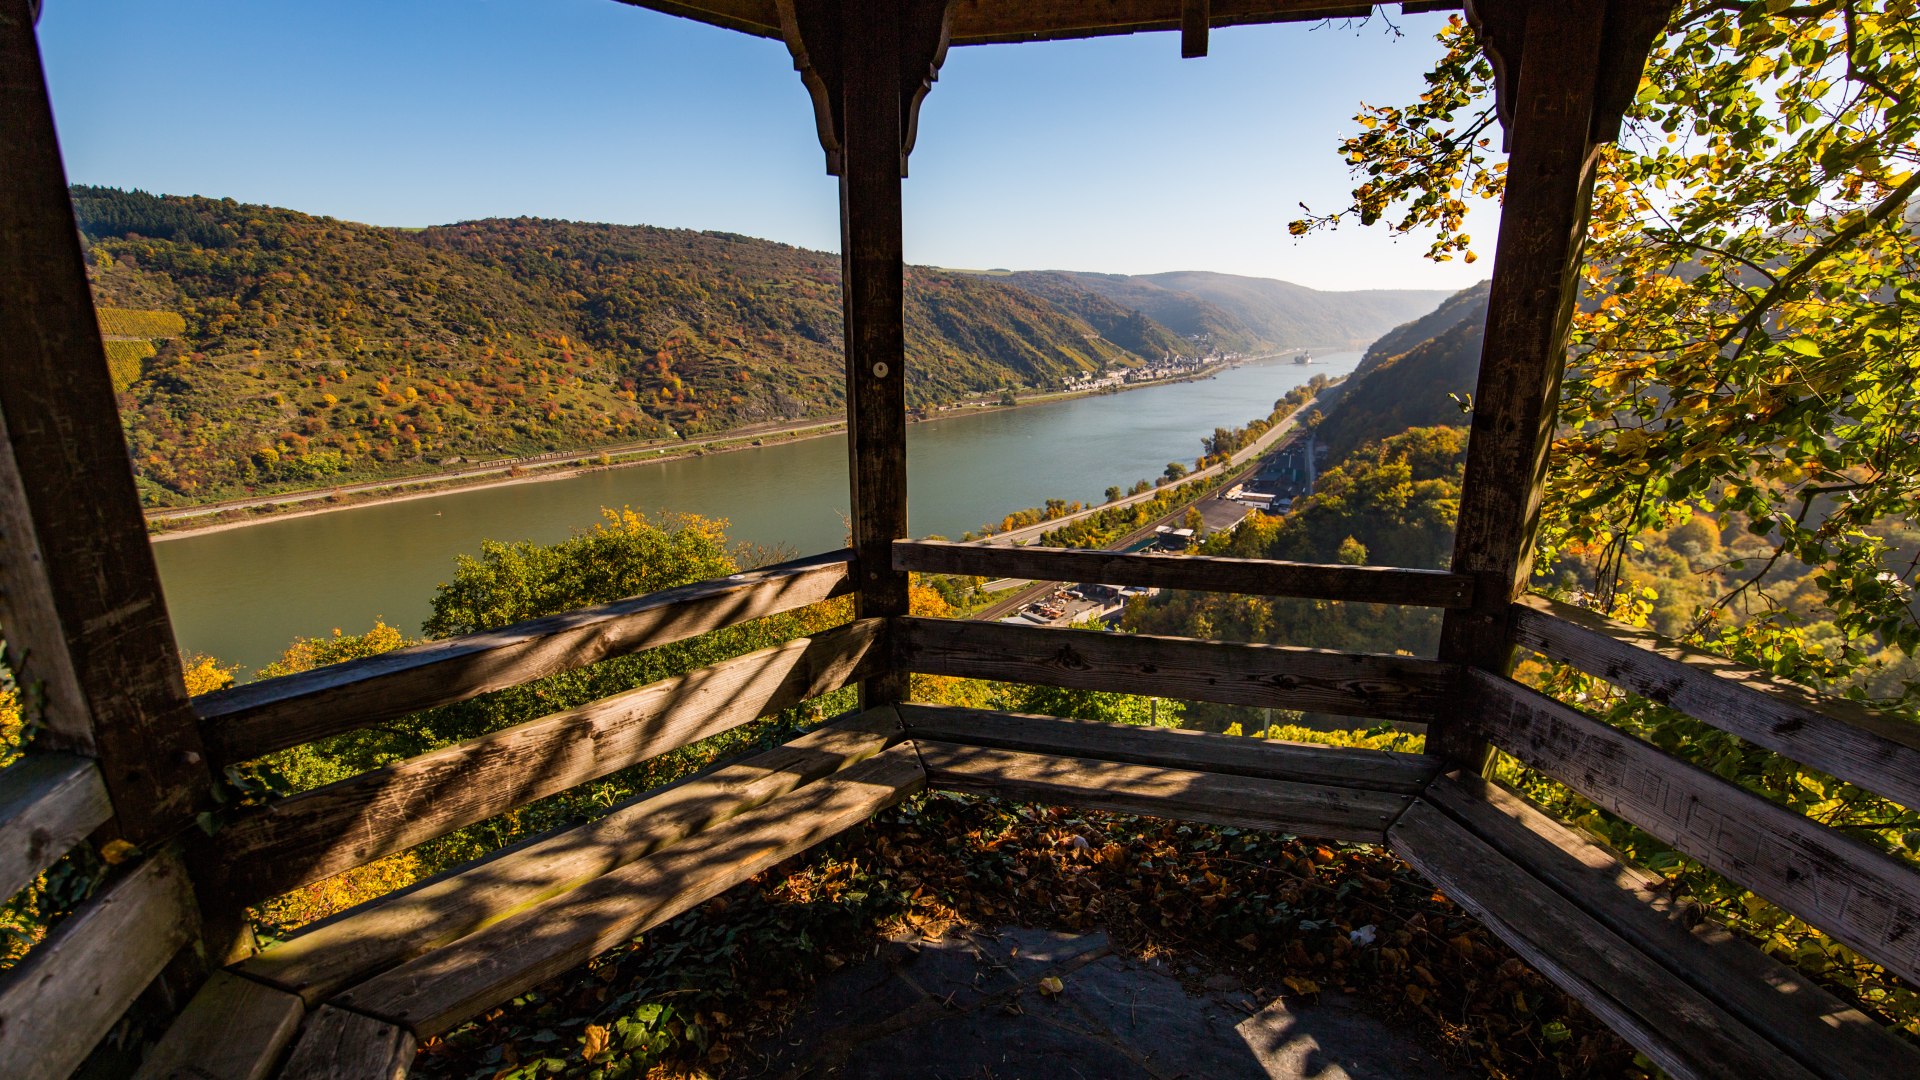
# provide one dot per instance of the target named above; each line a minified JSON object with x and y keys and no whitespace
{"x":1111,"y":154}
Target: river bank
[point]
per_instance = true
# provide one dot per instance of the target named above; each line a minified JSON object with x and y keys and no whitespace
{"x":173,"y":523}
{"x":242,"y":594}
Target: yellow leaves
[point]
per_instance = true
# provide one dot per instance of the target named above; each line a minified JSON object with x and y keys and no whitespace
{"x":1051,"y":986}
{"x":115,"y":852}
{"x":1301,"y":985}
{"x":204,"y":675}
{"x":595,"y":1041}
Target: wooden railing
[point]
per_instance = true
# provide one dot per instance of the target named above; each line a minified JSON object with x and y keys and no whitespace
{"x":314,"y":834}
{"x":62,"y":997}
{"x":1275,"y":676}
{"x":1200,"y":573}
{"x":1862,"y":897}
{"x":58,"y":1001}
{"x":259,"y":718}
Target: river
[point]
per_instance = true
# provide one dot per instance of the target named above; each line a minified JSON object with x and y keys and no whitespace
{"x":241,"y":595}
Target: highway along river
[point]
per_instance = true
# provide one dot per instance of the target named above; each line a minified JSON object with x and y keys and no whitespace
{"x":242,"y":594}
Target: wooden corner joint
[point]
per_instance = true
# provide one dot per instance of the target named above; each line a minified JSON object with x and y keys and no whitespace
{"x":819,"y":33}
{"x":1628,"y":32}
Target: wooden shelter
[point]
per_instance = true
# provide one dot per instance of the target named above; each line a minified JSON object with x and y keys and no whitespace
{"x":125,"y":755}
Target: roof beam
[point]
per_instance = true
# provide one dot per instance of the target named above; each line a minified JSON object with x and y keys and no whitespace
{"x":987,"y":22}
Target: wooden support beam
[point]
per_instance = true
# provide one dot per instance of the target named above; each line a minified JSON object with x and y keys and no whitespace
{"x":1845,"y":738}
{"x":438,"y":990}
{"x":1543,"y":225}
{"x":80,"y":601}
{"x":1673,"y":1024}
{"x":1199,"y":573}
{"x":1318,"y":810}
{"x":57,"y":1003}
{"x":259,"y":718}
{"x":873,"y":284}
{"x":1856,"y":894}
{"x":233,"y":1029}
{"x":400,"y":926}
{"x":341,"y":1045}
{"x":1194,"y":16}
{"x":1276,"y":676}
{"x":1826,"y":1036}
{"x":305,"y":837}
{"x":48,"y":803}
{"x":1196,"y":751}
{"x":868,"y":64}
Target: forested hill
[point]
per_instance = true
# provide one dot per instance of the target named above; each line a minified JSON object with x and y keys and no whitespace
{"x":1417,"y":375}
{"x":317,"y":350}
{"x":1244,"y":313}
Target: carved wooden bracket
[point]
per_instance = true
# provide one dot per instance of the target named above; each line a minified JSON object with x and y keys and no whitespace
{"x":1631,"y":27}
{"x":817,"y":31}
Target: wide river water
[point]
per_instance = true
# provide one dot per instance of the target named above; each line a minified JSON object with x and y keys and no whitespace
{"x":242,"y":594}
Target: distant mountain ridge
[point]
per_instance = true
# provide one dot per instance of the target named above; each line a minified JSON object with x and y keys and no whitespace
{"x":1239,"y":314}
{"x":319,"y":351}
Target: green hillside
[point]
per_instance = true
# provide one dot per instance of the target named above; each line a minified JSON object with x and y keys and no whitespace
{"x":316,"y":350}
{"x":1409,"y":377}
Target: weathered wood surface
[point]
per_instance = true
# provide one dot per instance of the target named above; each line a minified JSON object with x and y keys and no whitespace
{"x":1823,"y":1034}
{"x":1858,"y":895}
{"x":438,"y":990}
{"x":233,"y":1029}
{"x":259,"y":718}
{"x":986,"y":22}
{"x":1543,"y":226}
{"x":1283,"y":677}
{"x":48,"y":803}
{"x":341,"y":1045}
{"x":81,"y":603}
{"x":306,"y":837}
{"x":1194,"y":15}
{"x":889,"y":54}
{"x":1226,"y":755}
{"x":1878,"y":752}
{"x":58,"y":1002}
{"x":1669,"y":1021}
{"x":1198,"y":573}
{"x":1319,"y":810}
{"x":401,"y":926}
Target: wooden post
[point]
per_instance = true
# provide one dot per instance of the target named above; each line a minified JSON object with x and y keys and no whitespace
{"x":873,"y":298}
{"x":80,"y":601}
{"x":1535,"y":279}
{"x":868,"y":64}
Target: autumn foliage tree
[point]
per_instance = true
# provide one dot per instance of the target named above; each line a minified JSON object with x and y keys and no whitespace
{"x":1744,"y":354}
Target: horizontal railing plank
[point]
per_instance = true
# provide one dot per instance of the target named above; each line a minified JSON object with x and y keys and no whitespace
{"x":1858,"y":895}
{"x":436,"y":991}
{"x":1319,"y":810}
{"x":400,"y":926}
{"x":1825,"y":1035}
{"x":233,"y":1029}
{"x":1226,"y":755}
{"x":1673,"y":1024}
{"x":1198,"y":573}
{"x":59,"y":1001}
{"x":259,"y":718}
{"x":1844,"y":738}
{"x":48,"y":803}
{"x":305,"y":837}
{"x":1276,"y":676}
{"x":341,"y":1045}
